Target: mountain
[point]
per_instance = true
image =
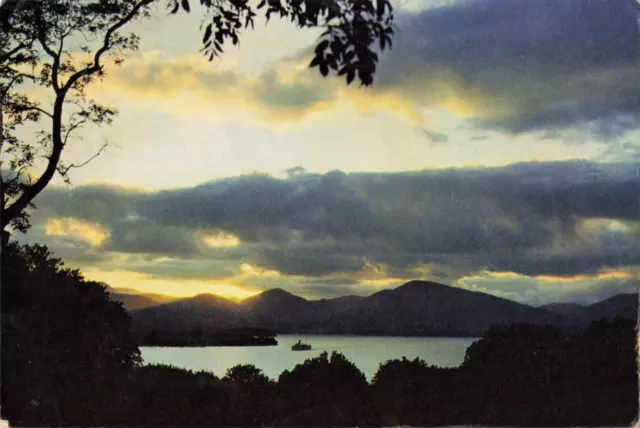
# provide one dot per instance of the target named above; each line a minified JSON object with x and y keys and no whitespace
{"x":574,"y":311}
{"x":420,"y":308}
{"x":205,"y":312}
{"x":621,"y":305}
{"x":416,"y":308}
{"x":133,"y":299}
{"x":278,"y":310}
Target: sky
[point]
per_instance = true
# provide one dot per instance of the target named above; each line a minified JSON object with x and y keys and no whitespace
{"x":497,"y":151}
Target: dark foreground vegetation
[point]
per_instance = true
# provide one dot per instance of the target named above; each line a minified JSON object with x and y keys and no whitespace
{"x":68,"y":359}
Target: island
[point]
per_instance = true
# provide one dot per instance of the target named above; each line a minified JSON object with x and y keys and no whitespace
{"x":247,"y":336}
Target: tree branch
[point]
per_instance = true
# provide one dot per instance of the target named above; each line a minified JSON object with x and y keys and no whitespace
{"x":64,"y":170}
{"x":41,"y":110}
{"x":95,"y":67}
{"x":13,"y":211}
{"x":7,"y":56}
{"x":56,"y":57}
{"x":72,"y":128}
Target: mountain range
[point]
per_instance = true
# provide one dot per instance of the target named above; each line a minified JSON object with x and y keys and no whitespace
{"x":417,"y":308}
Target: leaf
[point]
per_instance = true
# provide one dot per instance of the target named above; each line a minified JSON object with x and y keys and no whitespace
{"x":350,"y":76}
{"x":315,"y":61}
{"x":380,"y":8}
{"x":322,"y":46}
{"x":176,"y":8}
{"x":382,"y":41}
{"x":207,"y":33}
{"x":324,"y":70}
{"x":261,"y":4}
{"x":185,"y":6}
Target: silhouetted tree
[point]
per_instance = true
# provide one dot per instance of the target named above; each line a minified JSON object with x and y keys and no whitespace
{"x":409,"y":392}
{"x":63,"y":46}
{"x":161,"y":395}
{"x":252,"y":400}
{"x":63,"y":341}
{"x":323,"y":391}
{"x":604,"y":374}
{"x":533,"y":375}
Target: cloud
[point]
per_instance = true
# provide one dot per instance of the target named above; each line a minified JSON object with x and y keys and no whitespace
{"x":513,"y":66}
{"x":540,"y":290}
{"x":519,"y":66}
{"x":557,"y":219}
{"x":193,"y":86}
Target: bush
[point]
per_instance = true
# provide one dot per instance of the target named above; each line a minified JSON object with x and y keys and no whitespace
{"x":63,"y":341}
{"x":323,"y":391}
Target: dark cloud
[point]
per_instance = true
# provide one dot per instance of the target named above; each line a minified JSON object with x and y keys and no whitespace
{"x":558,"y":218}
{"x":524,"y":65}
{"x":139,"y":235}
{"x":311,"y":258}
{"x":95,"y":203}
{"x":260,"y":207}
{"x":298,"y":95}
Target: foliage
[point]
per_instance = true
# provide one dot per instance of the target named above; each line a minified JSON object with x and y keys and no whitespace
{"x":247,"y":384}
{"x":532,"y":375}
{"x":160,"y":395}
{"x":63,"y":340}
{"x":324,"y":391}
{"x":410,"y":392}
{"x":60,"y":47}
{"x":352,"y":28}
{"x":590,"y":382}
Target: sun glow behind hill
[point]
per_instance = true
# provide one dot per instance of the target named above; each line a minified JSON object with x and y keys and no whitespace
{"x":141,"y":283}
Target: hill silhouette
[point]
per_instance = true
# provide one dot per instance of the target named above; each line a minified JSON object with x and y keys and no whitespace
{"x":417,"y":308}
{"x":133,"y":299}
{"x":206,"y":312}
{"x":618,"y":306}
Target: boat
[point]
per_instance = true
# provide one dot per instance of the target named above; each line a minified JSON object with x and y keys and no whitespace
{"x":299,"y":346}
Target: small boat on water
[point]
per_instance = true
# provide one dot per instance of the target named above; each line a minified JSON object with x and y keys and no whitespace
{"x":299,"y":346}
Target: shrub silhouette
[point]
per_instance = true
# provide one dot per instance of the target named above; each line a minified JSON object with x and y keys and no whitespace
{"x":534,"y":375}
{"x":252,"y":399}
{"x":63,"y":341}
{"x":323,"y":391}
{"x":161,"y":395}
{"x":410,"y":392}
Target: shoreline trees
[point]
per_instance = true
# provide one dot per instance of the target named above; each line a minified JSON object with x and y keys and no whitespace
{"x":68,"y":358}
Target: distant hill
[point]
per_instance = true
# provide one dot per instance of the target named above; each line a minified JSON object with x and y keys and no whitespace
{"x":278,"y":310}
{"x":574,"y":311}
{"x":133,"y":299}
{"x":417,"y":308}
{"x":621,"y":305}
{"x":205,"y":312}
{"x":421,"y":308}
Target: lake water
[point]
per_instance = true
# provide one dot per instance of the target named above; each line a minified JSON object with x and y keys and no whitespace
{"x":365,"y":352}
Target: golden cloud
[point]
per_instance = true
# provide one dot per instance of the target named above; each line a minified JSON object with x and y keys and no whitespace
{"x":284,"y":94}
{"x":220,"y":239}
{"x":70,"y":227}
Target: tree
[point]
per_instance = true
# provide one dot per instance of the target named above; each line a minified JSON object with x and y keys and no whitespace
{"x":64,"y":45}
{"x":410,"y":392}
{"x":324,"y":391}
{"x":63,"y":341}
{"x":251,"y":396}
